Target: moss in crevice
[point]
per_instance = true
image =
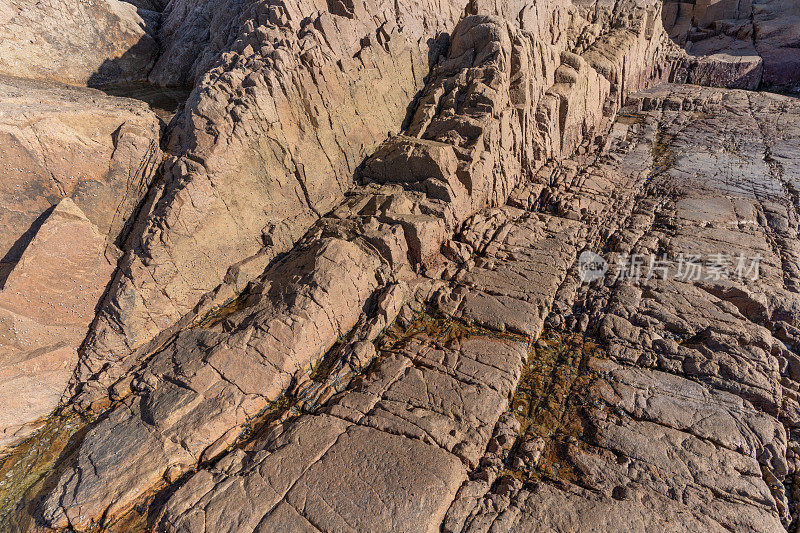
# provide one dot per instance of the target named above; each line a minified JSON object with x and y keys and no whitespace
{"x":549,"y":403}
{"x":663,"y":155}
{"x":219,"y":314}
{"x":632,"y":118}
{"x":28,"y":469}
{"x":439,"y":328}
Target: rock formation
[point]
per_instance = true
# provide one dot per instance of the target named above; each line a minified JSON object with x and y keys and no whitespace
{"x":93,"y":42}
{"x":410,"y":265}
{"x":46,"y":306}
{"x":748,"y":45}
{"x":62,"y":142}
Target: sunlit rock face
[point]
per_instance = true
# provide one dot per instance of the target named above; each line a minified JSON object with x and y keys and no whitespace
{"x":83,"y":42}
{"x":408,"y":265}
{"x":46,"y":306}
{"x":750,"y":44}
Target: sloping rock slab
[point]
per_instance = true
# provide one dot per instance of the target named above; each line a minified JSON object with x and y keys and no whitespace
{"x":45,"y":310}
{"x":57,"y":142}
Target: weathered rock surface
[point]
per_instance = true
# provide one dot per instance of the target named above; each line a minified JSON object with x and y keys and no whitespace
{"x":76,"y":164}
{"x":456,"y":159}
{"x":684,"y":420}
{"x":46,"y":306}
{"x":677,"y":420}
{"x":62,"y":142}
{"x":82,"y":42}
{"x":396,"y":444}
{"x":293,"y":101}
{"x":269,"y":142}
{"x":748,"y":44}
{"x":549,"y":299}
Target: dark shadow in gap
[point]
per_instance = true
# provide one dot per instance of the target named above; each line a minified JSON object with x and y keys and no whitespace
{"x":164,"y":101}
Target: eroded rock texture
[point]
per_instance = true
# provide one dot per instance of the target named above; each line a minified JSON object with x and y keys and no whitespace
{"x":76,"y":165}
{"x":655,"y":417}
{"x":85,"y":42}
{"x":62,"y":142}
{"x":470,"y":141}
{"x":747,"y":44}
{"x":682,"y":421}
{"x":445,"y":266}
{"x":297,"y":103}
{"x":46,"y":306}
{"x":268,"y":142}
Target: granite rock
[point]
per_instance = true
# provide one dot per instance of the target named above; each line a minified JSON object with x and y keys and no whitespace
{"x":46,"y":306}
{"x":86,"y":42}
{"x":63,"y":142}
{"x":453,"y":266}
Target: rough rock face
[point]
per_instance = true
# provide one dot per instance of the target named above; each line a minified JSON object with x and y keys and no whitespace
{"x":84,"y":42}
{"x":302,"y":115}
{"x":76,"y":164}
{"x":61,"y":142}
{"x":291,"y":109}
{"x":438,"y":266}
{"x":398,"y":443}
{"x":192,"y":34}
{"x":684,"y":419}
{"x":46,"y":306}
{"x":678,"y":416}
{"x":747,"y":44}
{"x":455,"y":159}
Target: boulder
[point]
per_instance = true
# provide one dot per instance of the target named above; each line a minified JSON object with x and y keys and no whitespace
{"x":46,"y":306}
{"x":82,"y":42}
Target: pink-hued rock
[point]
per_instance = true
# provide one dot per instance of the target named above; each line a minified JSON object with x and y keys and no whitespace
{"x":482,"y":117}
{"x":355,"y":300}
{"x":777,"y":39}
{"x":58,"y":141}
{"x":749,"y":44}
{"x":273,"y":135}
{"x":678,"y":417}
{"x":46,"y":306}
{"x":82,"y":42}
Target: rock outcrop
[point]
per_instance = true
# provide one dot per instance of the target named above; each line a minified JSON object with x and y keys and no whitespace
{"x":680,"y":416}
{"x":82,"y":42}
{"x":748,"y":45}
{"x":429,"y":266}
{"x":46,"y":306}
{"x":669,"y":408}
{"x":76,"y":165}
{"x":466,"y":148}
{"x":288,"y":112}
{"x":63,"y":142}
